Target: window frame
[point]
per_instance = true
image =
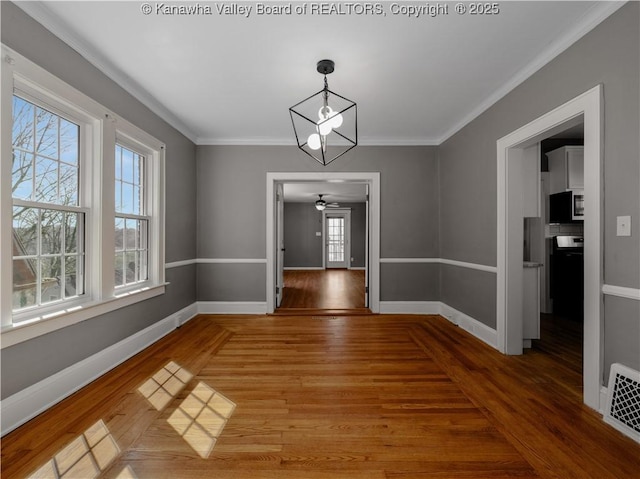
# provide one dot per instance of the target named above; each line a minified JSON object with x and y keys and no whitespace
{"x":100,"y":129}
{"x":28,"y":92}
{"x":128,"y":136}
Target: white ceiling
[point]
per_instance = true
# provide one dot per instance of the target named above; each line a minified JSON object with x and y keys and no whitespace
{"x":227,"y":79}
{"x":333,"y":192}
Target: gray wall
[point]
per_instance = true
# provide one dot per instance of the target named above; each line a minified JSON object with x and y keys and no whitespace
{"x":409,"y":210}
{"x":31,"y":361}
{"x":409,"y":282}
{"x":608,"y":55}
{"x":304,"y":248}
{"x":358,"y":232}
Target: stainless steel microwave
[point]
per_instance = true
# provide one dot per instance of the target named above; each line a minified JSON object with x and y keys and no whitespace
{"x":566,"y":207}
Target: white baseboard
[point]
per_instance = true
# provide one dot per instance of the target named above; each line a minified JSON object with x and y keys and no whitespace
{"x":604,"y":393}
{"x":410,"y":307}
{"x":186,"y":314}
{"x":479,"y":330}
{"x":24,"y":405}
{"x":466,"y":322}
{"x":232,"y":307}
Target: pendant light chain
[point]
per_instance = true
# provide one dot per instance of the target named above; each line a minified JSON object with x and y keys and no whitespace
{"x":326,"y":92}
{"x":325,"y":113}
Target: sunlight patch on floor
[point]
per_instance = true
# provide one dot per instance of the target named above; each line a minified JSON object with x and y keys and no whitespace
{"x":164,"y":385}
{"x":127,"y":473}
{"x":201,"y":417}
{"x":85,"y":457}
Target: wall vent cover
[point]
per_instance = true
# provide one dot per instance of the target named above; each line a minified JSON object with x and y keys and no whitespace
{"x":623,"y":401}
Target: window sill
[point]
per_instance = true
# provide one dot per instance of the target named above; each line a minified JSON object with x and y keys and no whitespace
{"x":26,"y":330}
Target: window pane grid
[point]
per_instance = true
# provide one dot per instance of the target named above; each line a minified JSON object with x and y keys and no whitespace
{"x":47,"y":256}
{"x":48,"y":230}
{"x":131,"y":255}
{"x":131,"y":224}
{"x":45,"y":155}
{"x":129,"y":194}
{"x":335,"y":230}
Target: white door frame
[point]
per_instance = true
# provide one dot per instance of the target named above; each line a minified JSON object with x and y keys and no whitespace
{"x":279,"y":244}
{"x":589,"y":106}
{"x":346,"y":213}
{"x":367,"y":235}
{"x":370,"y":178}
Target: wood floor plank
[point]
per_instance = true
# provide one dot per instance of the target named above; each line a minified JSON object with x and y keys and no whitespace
{"x":359,"y":397}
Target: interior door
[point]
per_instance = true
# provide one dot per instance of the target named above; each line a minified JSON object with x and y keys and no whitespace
{"x":337,"y":240}
{"x":279,"y":243}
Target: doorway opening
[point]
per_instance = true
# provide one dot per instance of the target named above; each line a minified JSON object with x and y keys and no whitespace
{"x":554,"y":245}
{"x":511,"y":152}
{"x":324,"y":255}
{"x":312,"y":253}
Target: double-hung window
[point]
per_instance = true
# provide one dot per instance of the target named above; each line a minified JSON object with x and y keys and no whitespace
{"x":82,"y":210}
{"x":131,"y":220}
{"x":48,"y":217}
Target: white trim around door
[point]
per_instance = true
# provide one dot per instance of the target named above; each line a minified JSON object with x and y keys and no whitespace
{"x":370,"y":178}
{"x":587,"y":107}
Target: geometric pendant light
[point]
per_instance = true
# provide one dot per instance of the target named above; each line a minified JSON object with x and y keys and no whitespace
{"x":325,"y":124}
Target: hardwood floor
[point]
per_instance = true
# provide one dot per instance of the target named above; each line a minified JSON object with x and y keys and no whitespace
{"x":375,"y":396}
{"x":339,"y":289}
{"x":560,"y":348}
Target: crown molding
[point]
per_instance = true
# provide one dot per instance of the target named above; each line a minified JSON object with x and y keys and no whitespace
{"x":589,"y":21}
{"x":399,"y":142}
{"x":290,"y":142}
{"x":245,"y":141}
{"x":39,"y":12}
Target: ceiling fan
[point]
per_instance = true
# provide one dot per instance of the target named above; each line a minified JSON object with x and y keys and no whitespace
{"x":322,"y":204}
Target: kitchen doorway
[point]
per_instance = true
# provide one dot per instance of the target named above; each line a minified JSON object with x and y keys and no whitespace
{"x":558,"y":244}
{"x":587,"y":106}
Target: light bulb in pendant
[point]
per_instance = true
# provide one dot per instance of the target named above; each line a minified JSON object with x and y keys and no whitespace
{"x":325,"y":124}
{"x":325,"y":127}
{"x":325,"y":112}
{"x":336,"y":120}
{"x":314,"y":141}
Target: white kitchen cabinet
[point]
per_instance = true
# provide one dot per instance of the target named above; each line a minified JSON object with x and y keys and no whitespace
{"x":575,"y":168}
{"x":531,"y":201}
{"x":566,"y":169}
